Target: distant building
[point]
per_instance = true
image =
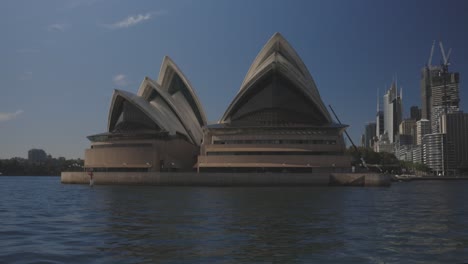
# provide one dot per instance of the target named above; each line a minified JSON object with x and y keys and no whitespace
{"x":404,"y":153}
{"x":37,"y":155}
{"x":436,"y":155}
{"x":423,"y":127}
{"x":392,"y":111}
{"x":402,"y":146}
{"x":433,"y":82}
{"x":369,"y":134}
{"x":407,"y":152}
{"x":455,"y":126}
{"x":445,"y":90}
{"x":445,"y":147}
{"x":379,"y":120}
{"x":383,"y":144}
{"x":415,"y":113}
{"x":437,"y":113}
{"x":408,"y":127}
{"x":416,"y":154}
{"x":433,"y":148}
{"x":403,"y":140}
{"x":439,"y":87}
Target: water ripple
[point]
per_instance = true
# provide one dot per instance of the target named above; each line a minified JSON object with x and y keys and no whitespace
{"x":45,"y":221}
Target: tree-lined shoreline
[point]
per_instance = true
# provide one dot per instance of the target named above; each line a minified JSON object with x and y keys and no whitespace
{"x":48,"y":167}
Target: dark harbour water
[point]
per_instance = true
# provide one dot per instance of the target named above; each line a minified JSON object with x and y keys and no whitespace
{"x":45,"y":221}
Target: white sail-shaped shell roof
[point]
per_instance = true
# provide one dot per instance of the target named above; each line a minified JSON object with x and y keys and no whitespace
{"x":279,"y":58}
{"x":170,"y":102}
{"x":277,"y":88}
{"x":184,"y":95}
{"x":161,"y":115}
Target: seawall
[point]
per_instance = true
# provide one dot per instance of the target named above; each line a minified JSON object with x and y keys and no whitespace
{"x":228,"y":179}
{"x":429,"y":178}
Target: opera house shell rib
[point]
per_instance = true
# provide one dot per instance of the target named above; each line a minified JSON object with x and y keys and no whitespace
{"x":276,"y":123}
{"x":158,"y":129}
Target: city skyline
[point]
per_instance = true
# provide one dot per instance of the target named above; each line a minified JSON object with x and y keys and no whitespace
{"x":60,"y":69}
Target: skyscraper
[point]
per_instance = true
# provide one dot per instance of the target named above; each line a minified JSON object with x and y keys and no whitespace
{"x":392,"y":111}
{"x":408,"y":127}
{"x":363,"y":140}
{"x":439,"y":87}
{"x":415,"y":113}
{"x":446,"y":147}
{"x":369,"y":134}
{"x":455,"y":126}
{"x":379,"y":120}
{"x":437,"y":113}
{"x":423,"y":127}
{"x":416,"y":153}
{"x":435,"y":152}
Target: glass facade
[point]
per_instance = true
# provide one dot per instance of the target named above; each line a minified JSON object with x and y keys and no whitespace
{"x":268,"y":103}
{"x":269,"y":153}
{"x":275,"y":141}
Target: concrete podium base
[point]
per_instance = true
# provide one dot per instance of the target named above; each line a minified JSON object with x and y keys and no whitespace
{"x":228,"y":179}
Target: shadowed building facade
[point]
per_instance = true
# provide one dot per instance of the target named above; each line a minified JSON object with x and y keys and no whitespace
{"x":277,"y":122}
{"x":438,"y":88}
{"x":455,"y":127}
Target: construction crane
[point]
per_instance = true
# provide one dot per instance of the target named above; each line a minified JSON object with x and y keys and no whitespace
{"x":445,"y":62}
{"x":429,"y":62}
{"x":363,"y":162}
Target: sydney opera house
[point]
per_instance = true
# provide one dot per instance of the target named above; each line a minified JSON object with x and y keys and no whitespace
{"x":277,"y":122}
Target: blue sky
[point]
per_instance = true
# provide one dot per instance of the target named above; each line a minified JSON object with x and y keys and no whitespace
{"x":61,"y":60}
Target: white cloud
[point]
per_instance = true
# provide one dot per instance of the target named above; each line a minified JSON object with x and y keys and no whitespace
{"x":58,"y":27}
{"x":26,"y":76}
{"x":120,"y":80}
{"x":134,"y":20}
{"x":9,"y":116}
